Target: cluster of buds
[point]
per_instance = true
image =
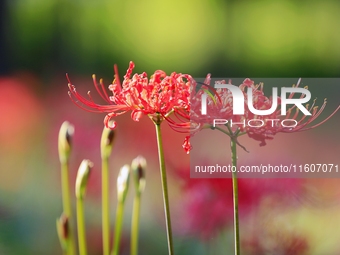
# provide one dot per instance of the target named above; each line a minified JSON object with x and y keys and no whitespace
{"x":64,"y":222}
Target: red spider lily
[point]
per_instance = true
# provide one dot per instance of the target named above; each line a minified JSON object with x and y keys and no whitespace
{"x":220,"y":106}
{"x":157,"y":97}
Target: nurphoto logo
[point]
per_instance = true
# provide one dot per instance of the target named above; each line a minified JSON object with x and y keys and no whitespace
{"x":239,"y":102}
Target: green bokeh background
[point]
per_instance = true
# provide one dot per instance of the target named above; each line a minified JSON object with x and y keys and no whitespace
{"x":227,"y":38}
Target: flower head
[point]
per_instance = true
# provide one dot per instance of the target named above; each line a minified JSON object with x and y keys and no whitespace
{"x":258,"y":127}
{"x":158,"y":96}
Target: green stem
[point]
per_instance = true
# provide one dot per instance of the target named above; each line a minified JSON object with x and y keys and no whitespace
{"x":135,"y":225}
{"x":222,"y":130}
{"x":118,"y":228}
{"x":81,"y":227}
{"x":235,"y":196}
{"x":230,"y":131}
{"x":105,"y":207}
{"x":164,"y":187}
{"x":65,"y":187}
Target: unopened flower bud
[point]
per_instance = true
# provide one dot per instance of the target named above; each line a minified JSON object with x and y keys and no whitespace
{"x":106,"y":143}
{"x":138,"y":167}
{"x":62,"y":230}
{"x":82,"y":177}
{"x":123,"y":183}
{"x":64,"y":141}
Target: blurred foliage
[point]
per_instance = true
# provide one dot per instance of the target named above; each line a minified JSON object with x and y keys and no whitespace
{"x":228,"y":38}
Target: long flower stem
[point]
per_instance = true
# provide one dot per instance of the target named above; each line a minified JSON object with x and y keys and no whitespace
{"x":65,"y":186}
{"x":235,"y":196}
{"x":135,"y":225}
{"x":81,"y":227}
{"x":105,"y":207}
{"x":118,"y":228}
{"x":164,"y":187}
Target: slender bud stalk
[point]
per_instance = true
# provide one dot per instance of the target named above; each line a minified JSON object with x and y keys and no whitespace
{"x":106,"y":145}
{"x":64,"y":148}
{"x":122,"y":189}
{"x":138,"y":167}
{"x":81,"y":183}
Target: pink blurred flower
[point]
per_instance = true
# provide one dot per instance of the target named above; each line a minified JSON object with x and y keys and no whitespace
{"x":21,"y":113}
{"x":208,"y":203}
{"x":270,"y":231}
{"x":281,"y":242}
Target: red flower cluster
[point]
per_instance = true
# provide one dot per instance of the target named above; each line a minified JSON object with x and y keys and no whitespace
{"x":157,"y":97}
{"x":220,"y":106}
{"x":162,"y":95}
